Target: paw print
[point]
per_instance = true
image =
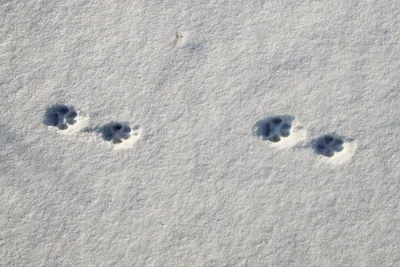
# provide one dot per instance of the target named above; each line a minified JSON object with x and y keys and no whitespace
{"x":118,"y":133}
{"x":328,"y":145}
{"x":275,"y":129}
{"x":281,"y":131}
{"x":61,"y":116}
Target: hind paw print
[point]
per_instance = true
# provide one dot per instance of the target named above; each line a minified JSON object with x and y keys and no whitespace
{"x":120,"y":133}
{"x":329,"y":145}
{"x":116,"y":132}
{"x":335,"y":148}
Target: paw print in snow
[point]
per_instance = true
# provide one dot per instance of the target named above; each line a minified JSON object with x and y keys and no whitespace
{"x":116,"y":132}
{"x":120,"y":133}
{"x":276,"y":128}
{"x":61,"y":116}
{"x":337,"y":149}
{"x":328,"y":145}
{"x":280,"y":131}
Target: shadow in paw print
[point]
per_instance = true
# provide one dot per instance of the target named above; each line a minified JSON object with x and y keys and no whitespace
{"x":115,"y":132}
{"x":328,"y":145}
{"x":273,"y":128}
{"x":60,"y":116}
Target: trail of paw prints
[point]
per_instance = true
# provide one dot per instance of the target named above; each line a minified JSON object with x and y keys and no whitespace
{"x":65,"y":119}
{"x":280,"y":131}
{"x":121,"y":135}
{"x":335,"y":148}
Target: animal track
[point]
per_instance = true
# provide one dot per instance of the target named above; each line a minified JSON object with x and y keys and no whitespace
{"x":280,"y":131}
{"x":120,"y":133}
{"x":68,"y":121}
{"x":116,"y":132}
{"x":61,"y":116}
{"x":275,"y":129}
{"x":336,"y":148}
{"x":328,"y":145}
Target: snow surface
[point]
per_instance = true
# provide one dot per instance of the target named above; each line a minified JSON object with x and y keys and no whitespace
{"x":198,"y":188}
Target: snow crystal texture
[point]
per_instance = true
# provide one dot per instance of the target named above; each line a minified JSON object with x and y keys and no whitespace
{"x":198,"y":188}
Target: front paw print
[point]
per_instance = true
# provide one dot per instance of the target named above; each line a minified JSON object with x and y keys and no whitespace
{"x":61,"y":116}
{"x":276,"y":128}
{"x":329,"y":145}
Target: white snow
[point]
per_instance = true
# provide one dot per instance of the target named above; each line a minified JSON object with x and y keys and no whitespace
{"x":348,"y":151}
{"x":195,"y":187}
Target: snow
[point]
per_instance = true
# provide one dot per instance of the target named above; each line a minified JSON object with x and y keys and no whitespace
{"x":197,"y":187}
{"x":345,"y":155}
